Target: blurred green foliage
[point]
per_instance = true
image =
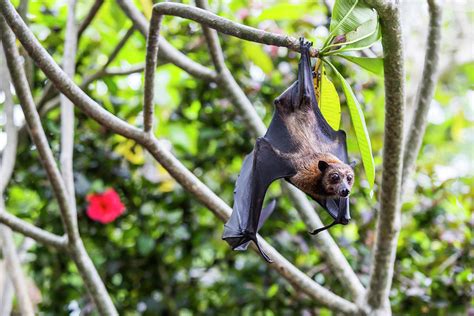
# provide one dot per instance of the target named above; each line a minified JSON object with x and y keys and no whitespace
{"x":165,"y":254}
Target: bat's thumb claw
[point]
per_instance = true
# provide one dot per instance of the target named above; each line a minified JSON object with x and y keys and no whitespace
{"x":264,"y":255}
{"x":317,"y":231}
{"x":305,"y":45}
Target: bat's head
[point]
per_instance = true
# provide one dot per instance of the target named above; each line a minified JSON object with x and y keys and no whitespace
{"x":337,"y":178}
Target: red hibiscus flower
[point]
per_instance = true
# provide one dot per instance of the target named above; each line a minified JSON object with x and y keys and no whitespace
{"x":104,"y":207}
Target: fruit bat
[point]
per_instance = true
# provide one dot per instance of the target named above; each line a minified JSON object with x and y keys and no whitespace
{"x":300,"y":147}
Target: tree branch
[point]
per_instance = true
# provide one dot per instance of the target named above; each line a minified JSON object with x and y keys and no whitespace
{"x":13,"y":264}
{"x":388,"y":216}
{"x":229,"y":27}
{"x":89,"y":17}
{"x":51,"y":104}
{"x":67,"y":110}
{"x":48,"y":91}
{"x":9,"y":153}
{"x":212,"y":40}
{"x":15,"y":270}
{"x":40,"y":235}
{"x":62,"y":82}
{"x":124,"y":71}
{"x":7,"y":289}
{"x":227,"y":82}
{"x":23,"y":11}
{"x":151,"y":61}
{"x":76,"y":248}
{"x":119,"y":47}
{"x":325,"y":243}
{"x":36,"y":130}
{"x":168,"y":52}
{"x":188,"y":180}
{"x":425,"y":90}
{"x":208,"y":198}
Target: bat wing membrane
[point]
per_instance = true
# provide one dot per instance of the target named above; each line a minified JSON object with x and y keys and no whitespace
{"x":260,"y":168}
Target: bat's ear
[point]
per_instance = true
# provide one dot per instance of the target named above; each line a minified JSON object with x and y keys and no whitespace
{"x":353,"y":164}
{"x":322,"y":165}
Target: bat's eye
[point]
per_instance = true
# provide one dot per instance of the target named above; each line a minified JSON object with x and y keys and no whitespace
{"x":335,"y":178}
{"x":349,"y":178}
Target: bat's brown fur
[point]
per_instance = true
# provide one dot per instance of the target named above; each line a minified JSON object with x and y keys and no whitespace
{"x":310,"y":177}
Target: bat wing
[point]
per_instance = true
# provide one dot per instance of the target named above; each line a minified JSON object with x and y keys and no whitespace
{"x":260,"y":168}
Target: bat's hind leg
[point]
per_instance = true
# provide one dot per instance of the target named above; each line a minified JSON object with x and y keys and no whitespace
{"x":305,"y":93}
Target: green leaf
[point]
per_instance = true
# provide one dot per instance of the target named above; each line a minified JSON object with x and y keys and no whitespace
{"x":360,"y":128}
{"x":23,"y":201}
{"x":357,"y":21}
{"x":272,"y":291}
{"x":257,"y":55}
{"x":329,"y":102}
{"x":348,"y":15}
{"x":363,"y":31}
{"x":145,"y":244}
{"x":365,"y":42}
{"x":342,"y":14}
{"x":374,"y":65}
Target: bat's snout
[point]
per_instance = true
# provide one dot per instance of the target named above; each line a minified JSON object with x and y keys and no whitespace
{"x":344,"y":192}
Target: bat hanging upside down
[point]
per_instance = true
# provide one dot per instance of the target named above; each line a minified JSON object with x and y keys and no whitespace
{"x":300,"y":147}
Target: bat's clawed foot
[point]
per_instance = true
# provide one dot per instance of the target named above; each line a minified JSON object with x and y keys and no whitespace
{"x":304,"y":44}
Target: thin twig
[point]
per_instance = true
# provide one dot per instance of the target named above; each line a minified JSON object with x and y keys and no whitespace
{"x":102,"y":72}
{"x":388,"y":215}
{"x":212,"y":39}
{"x":13,"y":264}
{"x":325,"y":243}
{"x":89,"y":274}
{"x":119,"y":47}
{"x":51,"y":104}
{"x":89,"y":17}
{"x":168,"y":52}
{"x":124,"y":71}
{"x":7,"y":289}
{"x":40,"y":235}
{"x":9,"y":153}
{"x":186,"y":178}
{"x":425,"y":90}
{"x":15,"y":270}
{"x":51,"y":94}
{"x":48,"y":91}
{"x":67,"y":109}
